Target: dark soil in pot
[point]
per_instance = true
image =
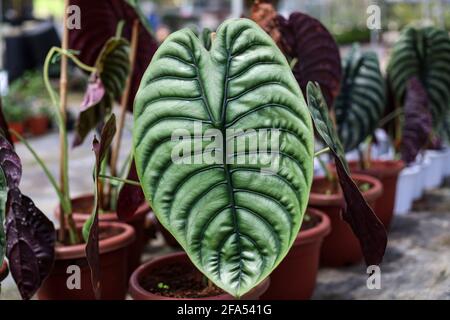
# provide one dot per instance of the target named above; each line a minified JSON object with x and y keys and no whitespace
{"x":295,"y":277}
{"x":174,"y":277}
{"x":4,"y":271}
{"x":115,"y":237}
{"x":37,"y":125}
{"x":341,"y":247}
{"x":387,"y":172}
{"x":82,"y":208}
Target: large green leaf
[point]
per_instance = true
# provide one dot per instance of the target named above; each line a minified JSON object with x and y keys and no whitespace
{"x":362,"y":98}
{"x":425,"y":53}
{"x":235,"y":223}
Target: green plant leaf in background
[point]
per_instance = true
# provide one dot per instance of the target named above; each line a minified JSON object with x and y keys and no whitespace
{"x":106,"y":85}
{"x":357,"y":213}
{"x":424,"y":53}
{"x":362,"y":99}
{"x":235,"y":223}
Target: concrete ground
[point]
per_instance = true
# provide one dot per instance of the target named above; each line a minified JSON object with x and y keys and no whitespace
{"x":416,"y":265}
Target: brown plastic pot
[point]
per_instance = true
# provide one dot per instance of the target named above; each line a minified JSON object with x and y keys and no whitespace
{"x":37,"y":125}
{"x":387,"y":172}
{"x":81,"y":211}
{"x":115,"y":237}
{"x":139,"y":293}
{"x":4,"y":271}
{"x":295,"y":277}
{"x":340,"y":247}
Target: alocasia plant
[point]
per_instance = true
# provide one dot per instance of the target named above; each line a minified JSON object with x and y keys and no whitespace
{"x":310,"y":47}
{"x":235,"y":223}
{"x":362,"y":98}
{"x":417,"y":122}
{"x":99,"y":22}
{"x":424,"y":53}
{"x":30,"y":235}
{"x":358,"y":214}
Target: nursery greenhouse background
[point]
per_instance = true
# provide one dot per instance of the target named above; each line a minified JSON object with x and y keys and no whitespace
{"x":379,"y":175}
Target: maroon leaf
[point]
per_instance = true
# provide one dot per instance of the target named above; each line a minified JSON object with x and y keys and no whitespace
{"x":4,"y":129}
{"x":91,"y":109}
{"x":365,"y":224}
{"x":130,"y":197}
{"x":317,"y":54}
{"x":359,"y":215}
{"x":417,"y":122}
{"x":99,"y":23}
{"x":91,"y":228}
{"x":10,"y":163}
{"x":30,"y":243}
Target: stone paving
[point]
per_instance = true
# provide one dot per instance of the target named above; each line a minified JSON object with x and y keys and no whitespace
{"x":416,"y":265}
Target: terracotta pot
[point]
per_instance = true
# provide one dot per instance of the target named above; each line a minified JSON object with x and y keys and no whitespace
{"x":139,"y":293}
{"x":4,"y":271}
{"x":340,"y":247}
{"x":387,"y":172}
{"x":18,"y":127}
{"x":37,"y":125}
{"x":295,"y":277}
{"x":81,"y":211}
{"x":115,"y":238}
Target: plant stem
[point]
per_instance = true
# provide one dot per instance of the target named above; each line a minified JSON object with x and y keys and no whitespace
{"x":63,"y":141}
{"x":391,"y":116}
{"x":105,"y":177}
{"x":124,"y":102}
{"x":320,"y":152}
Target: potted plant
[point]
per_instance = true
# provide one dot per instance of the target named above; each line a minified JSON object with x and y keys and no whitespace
{"x":15,"y":115}
{"x":38,"y":123}
{"x":421,"y":53}
{"x":119,"y":51}
{"x":100,"y":250}
{"x":314,"y":56}
{"x":235,"y":221}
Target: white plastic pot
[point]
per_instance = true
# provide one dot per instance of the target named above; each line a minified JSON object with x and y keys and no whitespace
{"x":435,"y":174}
{"x":423,"y":166}
{"x":406,"y":188}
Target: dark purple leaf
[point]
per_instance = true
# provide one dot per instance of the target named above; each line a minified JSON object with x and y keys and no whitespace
{"x":130,"y":197}
{"x":318,"y":60}
{"x":365,"y":224}
{"x":359,"y":215}
{"x":99,"y":23}
{"x":91,"y":227}
{"x":417,"y":121}
{"x":10,"y":163}
{"x":4,"y":129}
{"x":30,"y":243}
{"x":91,"y":109}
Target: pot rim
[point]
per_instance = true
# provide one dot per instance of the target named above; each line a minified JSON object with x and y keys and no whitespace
{"x":137,"y":291}
{"x":121,"y":240}
{"x":389,"y":167}
{"x":316,"y":233}
{"x":143,"y":209}
{"x":337,"y":199}
{"x":4,"y":270}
